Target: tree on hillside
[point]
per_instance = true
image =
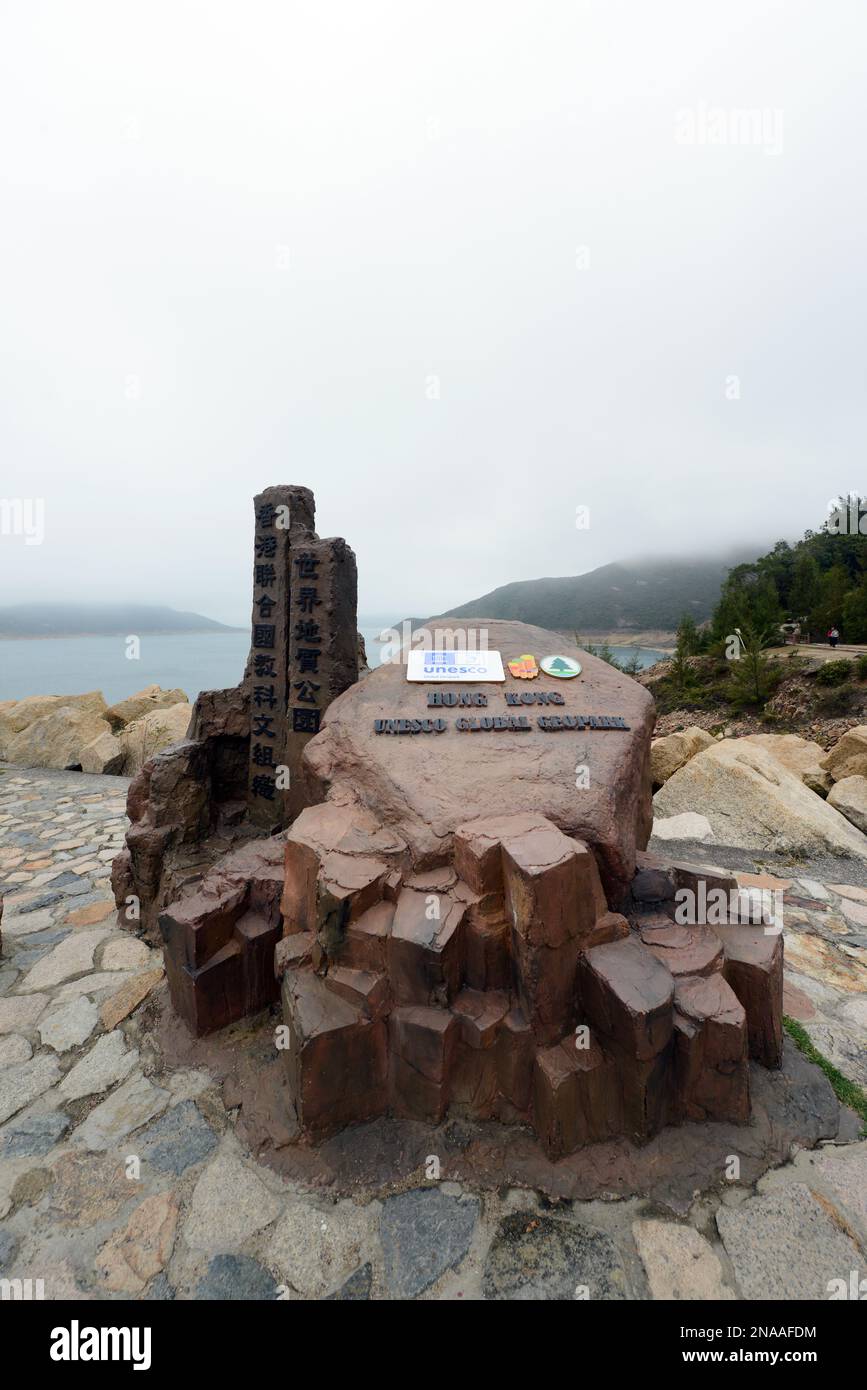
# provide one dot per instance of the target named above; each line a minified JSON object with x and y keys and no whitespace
{"x":804,"y":593}
{"x":833,"y":588}
{"x":689,"y":639}
{"x":819,"y":579}
{"x":854,"y":624}
{"x":749,"y":599}
{"x":752,"y":678}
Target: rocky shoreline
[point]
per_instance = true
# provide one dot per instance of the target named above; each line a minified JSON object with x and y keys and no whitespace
{"x":84,"y":733}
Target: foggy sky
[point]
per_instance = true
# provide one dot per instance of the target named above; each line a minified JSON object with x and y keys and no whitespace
{"x":246,"y":244}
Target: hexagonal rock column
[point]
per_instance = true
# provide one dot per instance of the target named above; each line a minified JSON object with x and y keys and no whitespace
{"x":753,"y":967}
{"x":711,"y":1070}
{"x":521,"y":905}
{"x":336,"y":1057}
{"x":627,"y":998}
{"x":220,"y":936}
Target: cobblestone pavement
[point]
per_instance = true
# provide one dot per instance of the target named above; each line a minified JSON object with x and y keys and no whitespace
{"x":122,"y":1179}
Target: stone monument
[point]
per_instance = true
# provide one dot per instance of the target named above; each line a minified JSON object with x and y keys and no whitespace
{"x":449,"y":896}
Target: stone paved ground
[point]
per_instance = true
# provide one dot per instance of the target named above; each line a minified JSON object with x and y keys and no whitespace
{"x":121,"y":1177}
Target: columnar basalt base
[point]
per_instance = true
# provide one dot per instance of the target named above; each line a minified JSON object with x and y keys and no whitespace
{"x":432,"y":959}
{"x":585,"y":1042}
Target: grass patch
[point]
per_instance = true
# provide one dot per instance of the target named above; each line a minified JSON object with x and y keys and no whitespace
{"x":847,"y":1092}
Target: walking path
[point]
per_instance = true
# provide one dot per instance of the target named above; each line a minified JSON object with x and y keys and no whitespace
{"x":123,"y":1177}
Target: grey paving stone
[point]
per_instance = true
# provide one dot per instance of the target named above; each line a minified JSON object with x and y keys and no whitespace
{"x":424,"y":1233}
{"x":44,"y":900}
{"x":21,"y":1084}
{"x":236,"y":1277}
{"x":8,"y":1249}
{"x":844,"y":1170}
{"x":42,"y":939}
{"x":786,"y":1244}
{"x":30,"y":1136}
{"x":177,"y":1140}
{"x":24,"y":959}
{"x":159,"y":1290}
{"x":356,"y":1289}
{"x":534,"y":1257}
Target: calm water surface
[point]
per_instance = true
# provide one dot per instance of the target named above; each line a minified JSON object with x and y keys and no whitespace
{"x":192,"y":661}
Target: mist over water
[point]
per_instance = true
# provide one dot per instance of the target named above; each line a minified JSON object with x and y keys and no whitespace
{"x":191,"y":661}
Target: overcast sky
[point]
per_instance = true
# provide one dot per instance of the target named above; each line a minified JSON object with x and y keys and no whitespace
{"x":461,"y":268}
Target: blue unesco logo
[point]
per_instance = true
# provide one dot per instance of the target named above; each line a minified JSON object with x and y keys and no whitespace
{"x":446,"y":664}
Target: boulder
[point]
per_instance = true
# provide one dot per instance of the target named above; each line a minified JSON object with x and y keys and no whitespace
{"x":849,"y":797}
{"x":848,"y":757}
{"x":670,"y":753}
{"x":152,"y":733}
{"x":105,"y":754}
{"x":799,"y":755}
{"x":142,"y":703}
{"x":689,"y":825}
{"x":753,"y":802}
{"x":57,"y":739}
{"x":18,"y":715}
{"x":486,"y":763}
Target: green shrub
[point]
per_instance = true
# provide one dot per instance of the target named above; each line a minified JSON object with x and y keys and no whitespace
{"x":834,"y":673}
{"x":861,"y":667}
{"x":836,"y":701}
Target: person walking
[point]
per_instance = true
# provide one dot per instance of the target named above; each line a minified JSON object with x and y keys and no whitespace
{"x":833,"y":636}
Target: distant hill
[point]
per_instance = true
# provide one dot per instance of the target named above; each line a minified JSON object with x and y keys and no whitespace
{"x":99,"y":620}
{"x":649,"y":595}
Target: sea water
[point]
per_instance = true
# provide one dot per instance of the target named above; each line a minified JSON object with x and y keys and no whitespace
{"x":189,"y":661}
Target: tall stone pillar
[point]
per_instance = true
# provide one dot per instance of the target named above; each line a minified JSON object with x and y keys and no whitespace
{"x":282,"y":515}
{"x":323,"y":643}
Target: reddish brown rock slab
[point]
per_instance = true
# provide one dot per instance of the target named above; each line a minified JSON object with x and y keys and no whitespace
{"x":474,"y":1084}
{"x":201,"y":922}
{"x":477,"y":854}
{"x":425,"y":950}
{"x":711,"y":890}
{"x":367,"y":938}
{"x":754,"y":969}
{"x":366,"y":990}
{"x":336,"y":1060}
{"x":627,"y":995}
{"x":211,"y":996}
{"x":515,"y":1058}
{"x":422,"y":1042}
{"x":293,"y":951}
{"x":355,"y":879}
{"x":348,"y":832}
{"x":258,"y":939}
{"x":610,"y":926}
{"x":644,"y":1087}
{"x":260,"y":864}
{"x":711,"y":1068}
{"x":575,"y":1097}
{"x":683,"y":950}
{"x":426,"y":786}
{"x":486,"y":945}
{"x":548,"y":881}
{"x":480,"y":1016}
{"x":546,"y":985}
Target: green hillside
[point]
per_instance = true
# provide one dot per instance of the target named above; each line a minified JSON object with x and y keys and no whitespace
{"x":645,"y":596}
